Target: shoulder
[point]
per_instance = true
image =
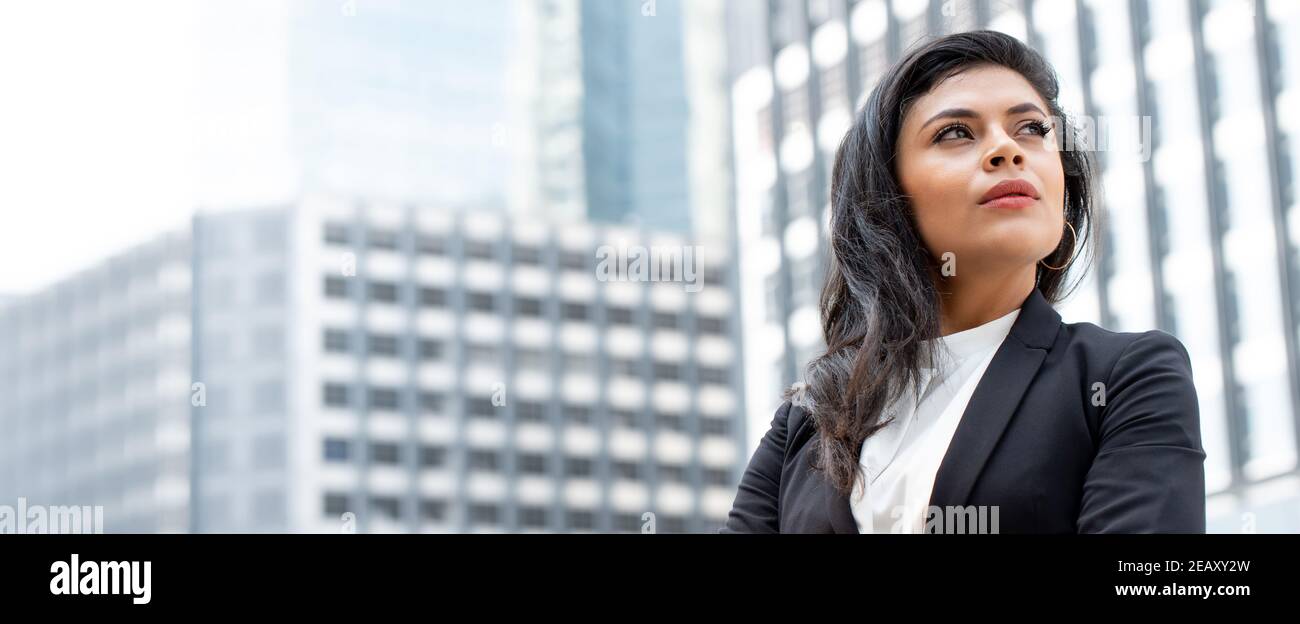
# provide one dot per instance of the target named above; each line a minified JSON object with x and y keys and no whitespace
{"x":791,"y":422}
{"x":1108,"y":352}
{"x":1141,"y":381}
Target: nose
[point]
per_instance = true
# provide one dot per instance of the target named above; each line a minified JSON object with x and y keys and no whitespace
{"x":1005,"y":150}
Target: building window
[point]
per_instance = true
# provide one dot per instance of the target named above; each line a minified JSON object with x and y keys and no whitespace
{"x":482,"y":302}
{"x":481,"y":513}
{"x":481,"y":407}
{"x":434,"y":510}
{"x":714,"y":426}
{"x":712,"y":325}
{"x":382,"y":239}
{"x":797,"y":191}
{"x":271,"y":234}
{"x":528,"y":306}
{"x":581,"y":519}
{"x":577,"y":414}
{"x":386,"y":506}
{"x":480,"y":250}
{"x":664,"y":370}
{"x":577,"y":363}
{"x":270,"y":288}
{"x":529,"y":411}
{"x":335,"y":504}
{"x":627,"y":470}
{"x":710,"y":375}
{"x":337,"y":341}
{"x":336,"y":288}
{"x":665,"y":320}
{"x":575,"y":311}
{"x":575,"y":260}
{"x":714,"y":276}
{"x":382,"y":345}
{"x":717,"y":476}
{"x":673,"y":524}
{"x":524,"y":254}
{"x":626,"y":418}
{"x":385,"y":292}
{"x":629,"y":368}
{"x":268,"y":396}
{"x":431,"y":245}
{"x":835,"y":88}
{"x":336,"y":450}
{"x":483,"y":355}
{"x":385,"y":453}
{"x":430,"y":349}
{"x":670,"y":421}
{"x":336,"y":395}
{"x":483,"y":460}
{"x":532,"y":517}
{"x":672,"y":472}
{"x":621,"y":316}
{"x":383,"y":399}
{"x":531,"y":359}
{"x":803,"y":278}
{"x":337,"y":234}
{"x":627,"y":522}
{"x":431,"y":401}
{"x":433,"y":456}
{"x":532,"y":463}
{"x":577,"y":466}
{"x":433,"y":297}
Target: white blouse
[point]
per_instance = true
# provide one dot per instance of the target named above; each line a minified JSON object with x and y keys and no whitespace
{"x":900,"y":461}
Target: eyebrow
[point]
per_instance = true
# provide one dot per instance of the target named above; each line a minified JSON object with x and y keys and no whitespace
{"x":966,"y":113}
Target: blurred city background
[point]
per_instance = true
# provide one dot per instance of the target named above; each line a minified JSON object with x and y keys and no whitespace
{"x":343,"y":265}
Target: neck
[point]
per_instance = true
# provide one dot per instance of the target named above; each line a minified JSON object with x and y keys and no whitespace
{"x":970,"y":301}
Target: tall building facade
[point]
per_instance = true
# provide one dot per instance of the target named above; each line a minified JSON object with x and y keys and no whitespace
{"x":95,"y":390}
{"x":612,"y":109}
{"x":333,"y":366}
{"x":1201,"y":232}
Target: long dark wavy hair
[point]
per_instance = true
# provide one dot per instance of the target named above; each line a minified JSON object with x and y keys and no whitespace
{"x":880,"y":304}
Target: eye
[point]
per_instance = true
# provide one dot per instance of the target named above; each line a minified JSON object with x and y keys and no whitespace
{"x":1039,"y":127}
{"x":944,"y":133}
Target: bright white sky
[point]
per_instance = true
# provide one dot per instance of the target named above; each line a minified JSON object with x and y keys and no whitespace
{"x":95,"y":150}
{"x":118,"y":118}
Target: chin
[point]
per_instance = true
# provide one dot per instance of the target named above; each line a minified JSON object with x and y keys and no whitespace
{"x":1018,"y":239}
{"x":1012,"y":252}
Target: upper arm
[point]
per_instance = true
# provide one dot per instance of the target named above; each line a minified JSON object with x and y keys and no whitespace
{"x":1148,"y":475}
{"x":755,"y":509}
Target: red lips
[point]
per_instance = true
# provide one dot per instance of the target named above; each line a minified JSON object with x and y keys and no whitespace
{"x":1010,"y":187}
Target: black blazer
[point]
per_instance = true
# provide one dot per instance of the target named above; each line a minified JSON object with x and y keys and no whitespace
{"x":1031,"y":441}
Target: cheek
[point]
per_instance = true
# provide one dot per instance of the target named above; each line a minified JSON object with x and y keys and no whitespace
{"x":936,"y":186}
{"x":1053,"y":178}
{"x":938,"y":189}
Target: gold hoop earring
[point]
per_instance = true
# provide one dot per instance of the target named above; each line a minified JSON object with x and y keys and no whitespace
{"x":1074,"y":240}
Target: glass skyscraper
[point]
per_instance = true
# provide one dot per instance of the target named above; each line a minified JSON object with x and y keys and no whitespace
{"x":611,"y":111}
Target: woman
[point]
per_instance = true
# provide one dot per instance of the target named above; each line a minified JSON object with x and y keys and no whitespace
{"x":951,"y":397}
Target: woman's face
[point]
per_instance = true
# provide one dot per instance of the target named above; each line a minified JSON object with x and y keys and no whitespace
{"x":979,"y":128}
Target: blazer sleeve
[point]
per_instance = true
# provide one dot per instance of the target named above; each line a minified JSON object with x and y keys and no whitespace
{"x":755,"y":509}
{"x":1148,"y":475}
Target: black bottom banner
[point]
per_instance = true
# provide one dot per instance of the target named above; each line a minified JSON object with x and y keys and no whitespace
{"x":606,"y":575}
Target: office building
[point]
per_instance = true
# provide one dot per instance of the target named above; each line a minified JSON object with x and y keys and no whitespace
{"x":362,"y":366}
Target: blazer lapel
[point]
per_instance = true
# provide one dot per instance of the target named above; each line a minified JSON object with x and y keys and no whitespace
{"x":991,"y":407}
{"x":987,"y":413}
